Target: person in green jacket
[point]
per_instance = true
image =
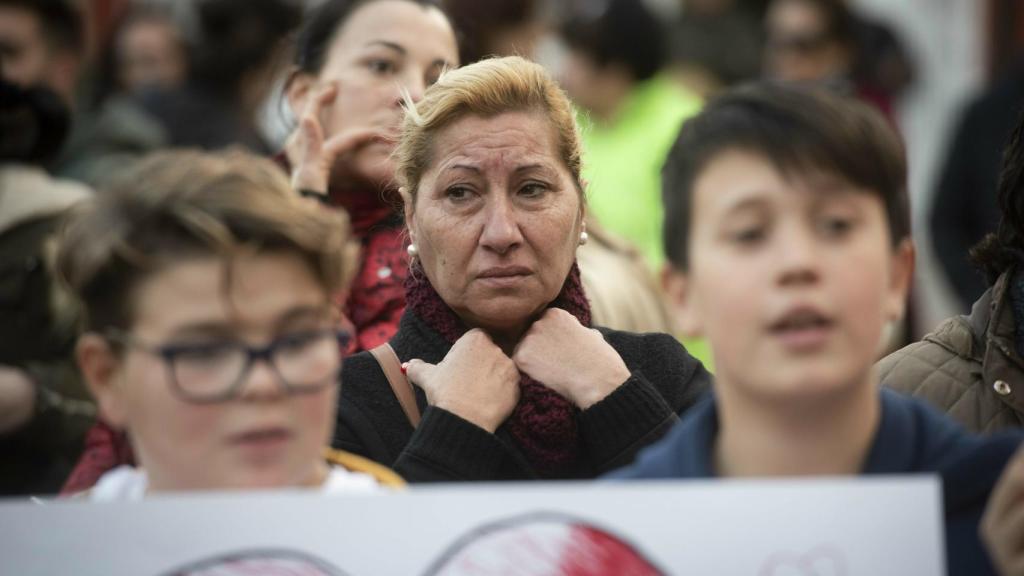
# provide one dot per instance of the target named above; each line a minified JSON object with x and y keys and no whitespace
{"x":629,"y":114}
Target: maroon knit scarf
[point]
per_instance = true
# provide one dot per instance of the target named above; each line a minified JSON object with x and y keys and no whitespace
{"x":543,"y":424}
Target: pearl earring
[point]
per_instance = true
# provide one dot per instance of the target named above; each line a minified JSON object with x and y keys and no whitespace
{"x":584,"y":237}
{"x":412,"y":250}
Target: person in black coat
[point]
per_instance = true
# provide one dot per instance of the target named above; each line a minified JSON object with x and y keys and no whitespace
{"x":512,"y":380}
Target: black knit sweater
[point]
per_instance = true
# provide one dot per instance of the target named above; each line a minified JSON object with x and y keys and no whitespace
{"x":665,"y":381}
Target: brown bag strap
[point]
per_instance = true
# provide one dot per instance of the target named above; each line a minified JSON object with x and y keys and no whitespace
{"x":401,"y":386}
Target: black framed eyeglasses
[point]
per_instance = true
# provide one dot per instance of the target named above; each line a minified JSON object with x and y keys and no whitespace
{"x":208,"y":372}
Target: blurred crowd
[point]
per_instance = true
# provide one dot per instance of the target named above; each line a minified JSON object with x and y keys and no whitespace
{"x":91,"y":88}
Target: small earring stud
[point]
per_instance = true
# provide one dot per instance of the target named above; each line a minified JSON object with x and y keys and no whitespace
{"x":412,"y":250}
{"x":584,"y":237}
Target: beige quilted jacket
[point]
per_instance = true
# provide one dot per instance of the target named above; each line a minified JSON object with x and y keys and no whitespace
{"x":967,"y":367}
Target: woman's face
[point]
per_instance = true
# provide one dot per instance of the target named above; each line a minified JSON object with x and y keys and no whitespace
{"x":150,"y":55}
{"x":497,"y":219}
{"x":384,"y":48}
{"x":799,"y":47}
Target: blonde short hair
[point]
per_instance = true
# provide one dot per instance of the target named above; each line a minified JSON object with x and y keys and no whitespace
{"x":486,"y":88}
{"x":177,"y":205}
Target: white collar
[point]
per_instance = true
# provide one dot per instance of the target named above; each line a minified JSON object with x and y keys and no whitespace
{"x":126,"y":483}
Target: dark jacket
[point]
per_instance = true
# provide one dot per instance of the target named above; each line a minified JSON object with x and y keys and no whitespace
{"x":912,"y":438}
{"x":665,"y":382}
{"x":964,"y":207}
{"x":967,"y":367}
{"x":38,"y":331}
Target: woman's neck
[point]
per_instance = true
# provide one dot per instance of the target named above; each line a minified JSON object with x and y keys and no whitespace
{"x":507,"y":340}
{"x":824,"y":436}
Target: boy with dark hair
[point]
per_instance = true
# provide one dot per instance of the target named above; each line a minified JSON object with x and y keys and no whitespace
{"x":788,"y":242}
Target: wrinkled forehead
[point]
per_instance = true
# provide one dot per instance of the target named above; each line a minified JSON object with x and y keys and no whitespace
{"x":507,"y":141}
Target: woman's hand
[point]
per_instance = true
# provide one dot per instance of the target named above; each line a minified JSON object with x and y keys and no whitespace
{"x":311,"y":156}
{"x":476,"y":381}
{"x":1002,"y":526}
{"x":571,"y":359}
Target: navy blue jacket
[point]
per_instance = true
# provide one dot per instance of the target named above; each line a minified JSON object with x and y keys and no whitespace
{"x":911,"y":438}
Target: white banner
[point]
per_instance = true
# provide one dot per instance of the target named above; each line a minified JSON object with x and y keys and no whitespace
{"x":837,"y":527}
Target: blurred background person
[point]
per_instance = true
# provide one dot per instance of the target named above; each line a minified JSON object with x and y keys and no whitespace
{"x":44,"y":410}
{"x":964,"y":208}
{"x":497,"y":27}
{"x":629,"y":113}
{"x":42,"y":405}
{"x":42,"y":43}
{"x":825,"y":43}
{"x":616,"y":52}
{"x":714,"y":44}
{"x":232,"y":60}
{"x":145,"y":52}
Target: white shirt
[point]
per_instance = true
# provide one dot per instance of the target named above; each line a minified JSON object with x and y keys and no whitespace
{"x":127,"y":483}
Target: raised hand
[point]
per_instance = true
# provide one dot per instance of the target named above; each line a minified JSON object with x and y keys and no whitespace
{"x":311,"y":152}
{"x":571,"y":359}
{"x":475,"y":381}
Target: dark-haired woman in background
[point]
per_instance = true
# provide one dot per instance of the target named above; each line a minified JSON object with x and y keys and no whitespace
{"x":972,"y":367}
{"x":354,"y":60}
{"x":44,"y":413}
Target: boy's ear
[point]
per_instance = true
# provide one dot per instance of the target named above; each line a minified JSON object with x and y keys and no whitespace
{"x":681,"y":302}
{"x":100,"y":369}
{"x":901,"y":275}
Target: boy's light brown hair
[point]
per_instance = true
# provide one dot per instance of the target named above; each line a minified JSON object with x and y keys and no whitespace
{"x":179,"y":205}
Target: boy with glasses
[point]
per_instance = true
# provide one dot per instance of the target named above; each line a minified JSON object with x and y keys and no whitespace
{"x":211,"y":338}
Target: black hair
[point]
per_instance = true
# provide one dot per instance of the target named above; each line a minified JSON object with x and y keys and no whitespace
{"x":60,"y":21}
{"x":796,"y":130}
{"x":476,"y":22}
{"x":106,"y":75}
{"x":839,"y":22}
{"x":236,"y":37}
{"x":999,"y":251}
{"x":33,"y":123}
{"x":625,"y":32}
{"x":319,"y":27}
